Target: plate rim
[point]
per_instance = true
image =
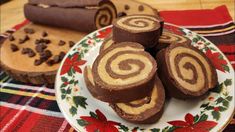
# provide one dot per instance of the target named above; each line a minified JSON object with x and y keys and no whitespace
{"x":110,"y":26}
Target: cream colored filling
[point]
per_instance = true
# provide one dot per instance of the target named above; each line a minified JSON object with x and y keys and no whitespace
{"x":108,"y":44}
{"x":138,"y":21}
{"x":144,"y":73}
{"x":43,"y":5}
{"x":101,"y":13}
{"x":90,"y":76}
{"x":173,"y":38}
{"x":188,"y":74}
{"x":138,"y":110}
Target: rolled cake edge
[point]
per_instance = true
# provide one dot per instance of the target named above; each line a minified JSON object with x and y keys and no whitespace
{"x":172,"y":87}
{"x":156,"y":111}
{"x":116,"y":94}
{"x":106,"y":40}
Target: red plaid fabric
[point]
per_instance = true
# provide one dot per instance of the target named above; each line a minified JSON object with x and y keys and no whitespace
{"x":25,"y":107}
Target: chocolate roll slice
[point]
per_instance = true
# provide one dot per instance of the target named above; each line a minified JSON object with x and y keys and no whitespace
{"x":143,"y":29}
{"x":81,"y":15}
{"x":168,"y":38}
{"x":107,"y":43}
{"x":146,"y":110}
{"x":185,"y":71}
{"x":124,"y":72}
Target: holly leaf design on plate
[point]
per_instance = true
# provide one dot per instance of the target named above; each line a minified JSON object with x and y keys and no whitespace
{"x":80,"y":101}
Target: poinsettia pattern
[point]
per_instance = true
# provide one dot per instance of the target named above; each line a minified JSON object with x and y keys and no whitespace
{"x":218,"y":60}
{"x":193,"y":124}
{"x":72,"y":63}
{"x":104,"y":33}
{"x":97,"y":122}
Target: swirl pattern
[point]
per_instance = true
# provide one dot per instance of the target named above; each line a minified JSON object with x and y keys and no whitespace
{"x":191,"y":71}
{"x":105,"y":15}
{"x":144,"y":109}
{"x":107,"y":43}
{"x":168,"y":37}
{"x":123,"y":69}
{"x":125,"y":65}
{"x":138,"y":23}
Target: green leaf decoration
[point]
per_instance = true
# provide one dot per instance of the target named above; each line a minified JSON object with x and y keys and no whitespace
{"x":63,"y":85}
{"x":76,"y":82}
{"x":209,"y":108}
{"x":219,"y":100}
{"x":64,"y":79}
{"x":155,"y":130}
{"x":80,"y":101}
{"x":226,"y":68}
{"x":228,"y":82}
{"x":225,"y":103}
{"x":124,"y":128}
{"x":203,"y":118}
{"x":73,"y":110}
{"x":92,"y":114}
{"x":82,"y":122}
{"x":71,"y":81}
{"x":196,"y":118}
{"x":221,"y":108}
{"x":229,"y":98}
{"x":63,"y":91}
{"x":213,"y":49}
{"x":70,"y":73}
{"x":69,"y":91}
{"x":195,"y":39}
{"x":218,"y":88}
{"x":63,"y":96}
{"x":204,"y":105}
{"x":221,"y":57}
{"x":216,"y":115}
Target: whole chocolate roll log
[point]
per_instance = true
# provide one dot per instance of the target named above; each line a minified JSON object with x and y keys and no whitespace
{"x":107,"y":43}
{"x":143,"y":29}
{"x":124,"y":72}
{"x":85,"y":19}
{"x":168,"y":38}
{"x":144,"y":111}
{"x":185,"y":71}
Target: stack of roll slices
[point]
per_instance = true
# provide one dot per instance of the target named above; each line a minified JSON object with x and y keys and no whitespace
{"x":141,"y":60}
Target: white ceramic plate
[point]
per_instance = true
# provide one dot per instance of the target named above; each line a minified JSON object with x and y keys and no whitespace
{"x":86,"y":113}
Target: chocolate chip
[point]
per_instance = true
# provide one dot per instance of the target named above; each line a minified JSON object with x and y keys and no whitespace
{"x":25,"y":50}
{"x":50,"y":62}
{"x":56,"y":59}
{"x":121,"y":14}
{"x":44,"y":34}
{"x":38,"y":62}
{"x":31,"y":53}
{"x":61,"y":43}
{"x":21,"y":41}
{"x":71,"y":44}
{"x":11,"y":38}
{"x":141,"y":8}
{"x":46,"y":41}
{"x":14,"y":48}
{"x":40,"y":47}
{"x":45,"y":55}
{"x":61,"y":55}
{"x":29,"y":31}
{"x":37,"y":41}
{"x":127,"y":7}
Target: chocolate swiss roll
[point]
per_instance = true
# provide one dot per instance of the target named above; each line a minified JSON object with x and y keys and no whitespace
{"x":168,"y":38}
{"x":107,"y":43}
{"x":81,"y":15}
{"x":143,"y":29}
{"x":124,"y":72}
{"x":146,"y":110}
{"x":185,"y":71}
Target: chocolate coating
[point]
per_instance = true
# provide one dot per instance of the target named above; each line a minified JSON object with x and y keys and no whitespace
{"x":174,"y":87}
{"x":150,"y":115}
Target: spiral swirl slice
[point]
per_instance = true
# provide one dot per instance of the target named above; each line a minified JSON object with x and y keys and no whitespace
{"x":107,"y":43}
{"x":143,"y":29}
{"x":124,"y":69}
{"x":185,"y":71}
{"x":168,"y":38}
{"x":105,"y":15}
{"x":145,"y":110}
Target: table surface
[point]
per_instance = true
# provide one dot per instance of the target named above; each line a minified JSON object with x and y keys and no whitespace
{"x":12,"y":12}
